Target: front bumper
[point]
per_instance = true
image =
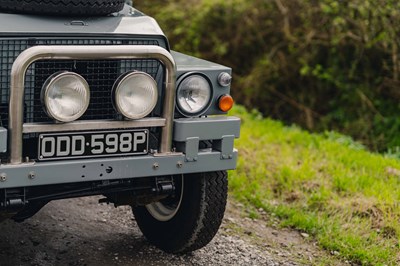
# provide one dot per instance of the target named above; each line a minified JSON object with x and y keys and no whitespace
{"x":188,"y":158}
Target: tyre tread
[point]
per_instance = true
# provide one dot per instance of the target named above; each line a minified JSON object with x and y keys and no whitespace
{"x":62,"y":7}
{"x":215,"y":191}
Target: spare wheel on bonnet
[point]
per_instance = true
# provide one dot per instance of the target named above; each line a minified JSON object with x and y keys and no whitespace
{"x":63,"y":7}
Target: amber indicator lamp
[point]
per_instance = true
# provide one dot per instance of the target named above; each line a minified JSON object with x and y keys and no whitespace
{"x":225,"y":103}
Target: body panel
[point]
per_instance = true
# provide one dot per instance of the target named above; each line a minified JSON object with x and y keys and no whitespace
{"x":187,"y":65}
{"x":128,"y":21}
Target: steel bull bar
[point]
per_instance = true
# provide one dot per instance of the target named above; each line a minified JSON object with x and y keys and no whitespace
{"x":29,"y":56}
{"x":185,"y":132}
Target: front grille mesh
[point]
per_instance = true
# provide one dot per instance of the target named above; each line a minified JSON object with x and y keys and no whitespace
{"x":100,"y":75}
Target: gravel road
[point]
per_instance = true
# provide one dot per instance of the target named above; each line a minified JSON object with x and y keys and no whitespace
{"x":82,"y":232}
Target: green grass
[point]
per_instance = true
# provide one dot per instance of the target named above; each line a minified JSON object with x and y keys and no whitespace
{"x":324,"y":184}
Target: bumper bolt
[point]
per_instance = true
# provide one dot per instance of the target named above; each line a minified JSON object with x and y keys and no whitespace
{"x":179,"y":164}
{"x":155,"y":166}
{"x":3,"y":177}
{"x":31,"y":175}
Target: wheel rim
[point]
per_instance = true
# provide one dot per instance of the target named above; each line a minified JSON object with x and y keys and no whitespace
{"x":165,"y":210}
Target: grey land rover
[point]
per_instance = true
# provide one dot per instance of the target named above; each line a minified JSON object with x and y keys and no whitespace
{"x":94,"y":102}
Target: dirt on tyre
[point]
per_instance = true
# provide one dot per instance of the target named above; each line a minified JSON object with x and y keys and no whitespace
{"x":189,"y":220}
{"x":63,"y":7}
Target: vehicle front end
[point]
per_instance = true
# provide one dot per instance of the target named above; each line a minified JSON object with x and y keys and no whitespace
{"x":101,"y":106}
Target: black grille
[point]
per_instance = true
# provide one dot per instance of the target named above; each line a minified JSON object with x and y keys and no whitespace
{"x":100,"y":75}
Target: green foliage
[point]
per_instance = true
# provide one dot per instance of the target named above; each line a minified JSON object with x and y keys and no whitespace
{"x":326,"y":184}
{"x":327,"y":64}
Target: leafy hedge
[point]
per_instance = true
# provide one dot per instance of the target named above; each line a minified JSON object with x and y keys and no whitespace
{"x":321,"y":64}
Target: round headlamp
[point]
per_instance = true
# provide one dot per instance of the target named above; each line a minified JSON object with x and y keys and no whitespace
{"x":135,"y":94}
{"x":65,"y":96}
{"x":193,"y":95}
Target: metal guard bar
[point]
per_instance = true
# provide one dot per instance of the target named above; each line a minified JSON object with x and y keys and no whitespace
{"x":92,"y":125}
{"x":29,"y":56}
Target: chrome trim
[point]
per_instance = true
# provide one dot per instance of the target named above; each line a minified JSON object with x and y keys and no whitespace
{"x":92,"y":125}
{"x":29,"y":56}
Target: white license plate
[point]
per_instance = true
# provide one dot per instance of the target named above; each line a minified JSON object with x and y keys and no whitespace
{"x":92,"y":144}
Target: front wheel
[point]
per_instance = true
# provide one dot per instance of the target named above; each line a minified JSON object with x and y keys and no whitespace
{"x":190,"y":219}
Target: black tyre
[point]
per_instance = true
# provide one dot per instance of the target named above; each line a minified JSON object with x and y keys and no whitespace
{"x":63,"y":7}
{"x":191,"y":219}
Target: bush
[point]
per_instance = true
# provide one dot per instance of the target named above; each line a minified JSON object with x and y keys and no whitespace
{"x":326,"y":64}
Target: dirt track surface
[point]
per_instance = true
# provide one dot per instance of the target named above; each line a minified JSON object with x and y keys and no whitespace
{"x":82,"y":232}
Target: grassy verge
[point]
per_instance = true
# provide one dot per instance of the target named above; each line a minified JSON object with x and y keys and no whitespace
{"x":324,"y":184}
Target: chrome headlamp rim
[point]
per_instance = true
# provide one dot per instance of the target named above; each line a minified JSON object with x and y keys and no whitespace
{"x":46,"y":89}
{"x":206,"y":106}
{"x":117,"y":85}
